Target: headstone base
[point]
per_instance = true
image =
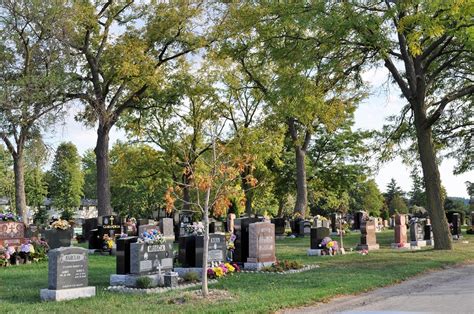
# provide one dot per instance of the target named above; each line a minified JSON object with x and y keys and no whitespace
{"x":361,"y":247}
{"x":314,"y":252}
{"x":400,"y":246}
{"x":418,"y":243}
{"x":429,"y":242}
{"x":130,"y":280}
{"x":171,"y":279}
{"x":257,"y":266}
{"x":67,"y":294}
{"x":183,"y":270}
{"x":280,"y":237}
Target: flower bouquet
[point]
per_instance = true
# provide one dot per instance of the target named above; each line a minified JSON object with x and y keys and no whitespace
{"x":151,"y":237}
{"x":108,"y":242}
{"x":222,"y":270}
{"x":194,"y":229}
{"x":8,"y":217}
{"x":231,"y":247}
{"x":26,"y":252}
{"x":4,"y":257}
{"x":40,"y":250}
{"x":328,"y":246}
{"x":60,"y":224}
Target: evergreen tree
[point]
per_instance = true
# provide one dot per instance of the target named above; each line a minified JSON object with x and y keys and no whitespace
{"x":417,"y":194}
{"x":397,"y":205}
{"x":392,"y":190}
{"x":66,"y":179}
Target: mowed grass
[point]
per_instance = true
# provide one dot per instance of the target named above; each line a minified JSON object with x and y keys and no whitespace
{"x":251,"y":293}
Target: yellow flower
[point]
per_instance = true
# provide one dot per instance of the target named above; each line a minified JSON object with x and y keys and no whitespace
{"x":330,"y":244}
{"x":32,"y":248}
{"x":229,"y":267}
{"x":218,"y":271}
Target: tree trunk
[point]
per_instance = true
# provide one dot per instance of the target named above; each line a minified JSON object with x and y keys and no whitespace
{"x":247,"y":191}
{"x":204,"y":288}
{"x":441,"y":233}
{"x":20,"y":196}
{"x":301,"y":185}
{"x":186,"y":193}
{"x":102,"y":159}
{"x":281,"y":205}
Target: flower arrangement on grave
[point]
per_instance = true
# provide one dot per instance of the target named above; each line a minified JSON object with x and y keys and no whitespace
{"x":231,"y":247}
{"x":279,"y":267}
{"x":40,"y":250}
{"x":4,"y":256}
{"x":151,"y":237}
{"x":222,"y":270}
{"x":195,"y":229}
{"x":108,"y":243}
{"x":328,"y":246}
{"x":8,"y":217}
{"x":60,"y":224}
{"x":26,"y":252}
{"x":364,"y":252}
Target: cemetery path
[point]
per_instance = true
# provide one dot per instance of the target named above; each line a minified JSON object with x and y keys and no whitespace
{"x":447,"y":291}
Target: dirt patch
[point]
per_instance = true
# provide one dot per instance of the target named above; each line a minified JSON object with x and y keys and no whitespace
{"x":214,"y":296}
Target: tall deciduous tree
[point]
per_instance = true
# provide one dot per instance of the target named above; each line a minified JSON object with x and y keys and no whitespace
{"x":289,"y":52}
{"x":66,"y":180}
{"x":31,"y":78}
{"x":125,"y":50}
{"x":427,"y":47}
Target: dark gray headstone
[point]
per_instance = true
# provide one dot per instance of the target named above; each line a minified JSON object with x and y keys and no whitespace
{"x":57,"y":238}
{"x":89,"y":225}
{"x":67,"y":268}
{"x":151,"y":258}
{"x":241,"y":230}
{"x":123,"y":254}
{"x":216,"y":227}
{"x":279,"y":225}
{"x":333,"y":222}
{"x":317,"y":236}
{"x":111,"y":225}
{"x":217,"y":248}
{"x":417,"y":232}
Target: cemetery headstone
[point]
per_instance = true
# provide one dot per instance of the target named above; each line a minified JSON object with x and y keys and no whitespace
{"x":147,"y":228}
{"x":471,"y":230}
{"x":230,"y":222}
{"x":87,"y":226}
{"x":317,"y":223}
{"x":12,"y":233}
{"x":241,"y":230}
{"x":279,"y":226}
{"x":428,"y":232}
{"x":148,"y":258}
{"x":358,"y":219}
{"x":67,"y":275}
{"x":368,"y":240}
{"x":317,"y":236}
{"x":456,"y":229}
{"x":32,"y":232}
{"x":400,"y":233}
{"x":166,"y":227}
{"x":217,"y":248}
{"x":295,"y":226}
{"x":216,"y":227}
{"x":417,"y":233}
{"x":57,"y":238}
{"x":261,"y":245}
{"x":111,"y":225}
{"x":95,"y":238}
{"x":123,"y":254}
{"x":305,"y":228}
{"x":333,"y":222}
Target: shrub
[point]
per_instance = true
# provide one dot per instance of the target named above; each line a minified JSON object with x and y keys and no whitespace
{"x":191,"y":276}
{"x":144,"y":282}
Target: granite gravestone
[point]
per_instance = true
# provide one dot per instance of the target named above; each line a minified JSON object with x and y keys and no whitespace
{"x":456,"y":229}
{"x":12,"y":233}
{"x":32,"y":232}
{"x":417,"y":232}
{"x":317,"y":223}
{"x":148,"y":258}
{"x":111,"y":225}
{"x":305,"y":228}
{"x":57,"y":238}
{"x":279,"y":226}
{"x":400,"y":232}
{"x":317,"y":236}
{"x":428,"y":232}
{"x":333,"y":217}
{"x":241,"y":230}
{"x":368,"y":239}
{"x":261,"y":245}
{"x":295,"y":226}
{"x":95,"y":239}
{"x":67,"y":275}
{"x":217,"y":248}
{"x":166,"y":227}
{"x":358,"y":219}
{"x":123,"y":254}
{"x":471,"y":229}
{"x":216,"y":227}
{"x":87,"y":227}
{"x":230,"y":222}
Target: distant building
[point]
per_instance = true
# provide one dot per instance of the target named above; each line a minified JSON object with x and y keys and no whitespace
{"x":87,"y":208}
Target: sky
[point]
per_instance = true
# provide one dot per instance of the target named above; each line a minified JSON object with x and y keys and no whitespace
{"x":371,"y":114}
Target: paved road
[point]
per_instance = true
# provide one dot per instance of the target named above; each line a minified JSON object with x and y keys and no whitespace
{"x":446,"y":291}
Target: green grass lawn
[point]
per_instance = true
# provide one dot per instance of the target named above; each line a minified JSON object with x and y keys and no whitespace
{"x":338,"y":275}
